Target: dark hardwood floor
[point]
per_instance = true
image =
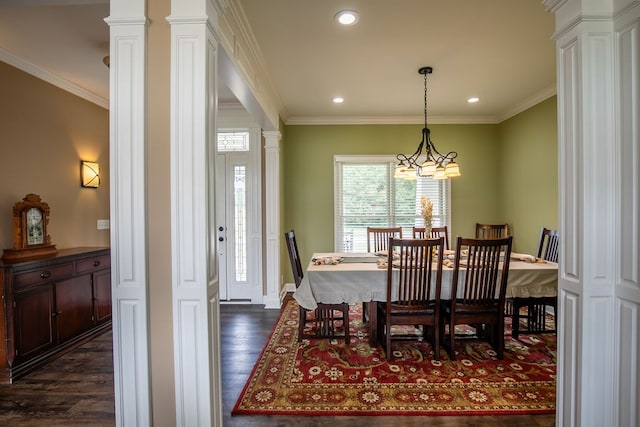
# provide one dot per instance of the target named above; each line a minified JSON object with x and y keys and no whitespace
{"x":77,"y":389}
{"x":73,"y":390}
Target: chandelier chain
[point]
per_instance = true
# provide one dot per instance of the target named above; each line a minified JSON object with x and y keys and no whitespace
{"x":425,"y":100}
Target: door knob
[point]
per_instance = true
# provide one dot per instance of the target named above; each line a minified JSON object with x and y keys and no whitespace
{"x":221,"y":239}
{"x":221,"y":228}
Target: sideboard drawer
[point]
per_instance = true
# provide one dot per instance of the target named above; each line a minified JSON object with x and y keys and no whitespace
{"x":88,"y":265}
{"x":46,"y":274}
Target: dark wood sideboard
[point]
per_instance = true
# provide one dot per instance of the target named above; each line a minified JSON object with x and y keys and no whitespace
{"x":51,"y":305}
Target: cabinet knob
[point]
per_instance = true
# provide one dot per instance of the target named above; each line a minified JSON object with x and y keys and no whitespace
{"x":96,"y":263}
{"x":45,"y":274}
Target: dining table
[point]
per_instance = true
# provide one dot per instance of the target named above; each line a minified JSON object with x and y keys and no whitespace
{"x":362,"y":277}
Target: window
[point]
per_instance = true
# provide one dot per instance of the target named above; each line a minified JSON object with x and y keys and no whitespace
{"x":367,"y":195}
{"x":233,"y":141}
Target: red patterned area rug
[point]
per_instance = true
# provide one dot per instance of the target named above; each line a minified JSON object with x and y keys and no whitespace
{"x":322,"y":377}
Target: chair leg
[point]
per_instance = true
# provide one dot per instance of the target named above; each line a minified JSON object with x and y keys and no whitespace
{"x":498,"y":332}
{"x":436,"y":341}
{"x":387,"y":332}
{"x":345,"y":321}
{"x":452,"y":340}
{"x":442,"y":336}
{"x":302,"y":316}
{"x":515,"y":320}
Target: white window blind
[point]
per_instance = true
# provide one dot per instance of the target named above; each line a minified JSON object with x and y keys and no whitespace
{"x":367,"y":195}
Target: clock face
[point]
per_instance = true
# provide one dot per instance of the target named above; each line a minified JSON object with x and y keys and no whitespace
{"x":35,"y":227}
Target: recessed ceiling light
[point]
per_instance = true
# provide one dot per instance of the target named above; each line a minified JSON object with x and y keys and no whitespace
{"x":338,"y":100}
{"x":473,"y":100}
{"x":347,"y":17}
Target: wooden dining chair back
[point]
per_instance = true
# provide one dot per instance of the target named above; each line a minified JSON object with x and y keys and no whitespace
{"x":414,"y":278}
{"x":478,"y":290}
{"x":436,"y":232}
{"x":378,"y":238}
{"x":325,"y":320}
{"x":294,"y":257}
{"x":492,"y":231}
{"x":548,"y":246}
{"x":535,"y":318}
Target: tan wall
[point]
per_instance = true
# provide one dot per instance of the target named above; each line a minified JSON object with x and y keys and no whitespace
{"x":44,"y":133}
{"x":158,"y":218}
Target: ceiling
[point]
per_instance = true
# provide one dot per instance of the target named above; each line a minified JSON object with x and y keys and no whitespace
{"x":498,"y":50}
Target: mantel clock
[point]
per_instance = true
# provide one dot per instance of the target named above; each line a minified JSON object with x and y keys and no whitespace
{"x":30,"y":236}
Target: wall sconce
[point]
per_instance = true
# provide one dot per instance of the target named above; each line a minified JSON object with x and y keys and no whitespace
{"x":90,"y":174}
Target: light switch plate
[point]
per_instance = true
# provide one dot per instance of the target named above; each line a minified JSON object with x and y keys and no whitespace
{"x":103,"y":224}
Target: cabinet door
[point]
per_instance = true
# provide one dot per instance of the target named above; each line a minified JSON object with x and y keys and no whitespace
{"x":74,"y":306}
{"x":102,"y":295}
{"x":34,"y":316}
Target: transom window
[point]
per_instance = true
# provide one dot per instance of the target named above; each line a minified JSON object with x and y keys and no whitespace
{"x":367,"y":195}
{"x":233,"y":141}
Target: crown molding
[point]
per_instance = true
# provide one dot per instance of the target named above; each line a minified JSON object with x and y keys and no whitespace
{"x":528,"y":103}
{"x":388,"y":120}
{"x":52,"y":78}
{"x":416,"y":120}
{"x":241,"y":46}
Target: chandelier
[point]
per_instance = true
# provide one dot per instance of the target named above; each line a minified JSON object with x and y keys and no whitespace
{"x":436,"y":165}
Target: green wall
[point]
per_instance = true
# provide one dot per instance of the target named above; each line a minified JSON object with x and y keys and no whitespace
{"x":308,"y":174}
{"x":509,"y":174}
{"x":529,"y":196}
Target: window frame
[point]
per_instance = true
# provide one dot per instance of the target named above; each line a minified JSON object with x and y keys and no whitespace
{"x":390,"y":160}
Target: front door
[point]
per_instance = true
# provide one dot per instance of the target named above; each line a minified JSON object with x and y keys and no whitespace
{"x":236,"y":207}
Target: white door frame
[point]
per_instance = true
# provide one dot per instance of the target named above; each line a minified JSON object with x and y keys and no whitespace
{"x":232,"y":119}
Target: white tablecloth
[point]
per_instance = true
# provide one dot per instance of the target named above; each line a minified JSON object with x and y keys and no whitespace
{"x":364,"y":281}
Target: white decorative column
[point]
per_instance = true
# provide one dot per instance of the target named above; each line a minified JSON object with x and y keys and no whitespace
{"x":127,"y":150}
{"x":195,"y":281}
{"x":272,"y":217}
{"x":598,"y":60}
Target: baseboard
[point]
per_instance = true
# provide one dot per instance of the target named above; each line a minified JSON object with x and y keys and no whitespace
{"x":288,"y":288}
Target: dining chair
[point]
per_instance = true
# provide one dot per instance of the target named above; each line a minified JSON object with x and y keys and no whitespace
{"x":378,"y":238}
{"x":491,"y":231}
{"x":419,"y":233}
{"x":478,"y":290}
{"x":537,"y":306}
{"x":326,"y":317}
{"x":414,"y":281}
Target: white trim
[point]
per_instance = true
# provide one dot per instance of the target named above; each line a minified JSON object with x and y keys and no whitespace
{"x":239,"y":121}
{"x":128,"y":212}
{"x":272,"y":217}
{"x":52,"y":78}
{"x":417,"y":120}
{"x":389,"y":120}
{"x":599,"y":176}
{"x":194,"y":265}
